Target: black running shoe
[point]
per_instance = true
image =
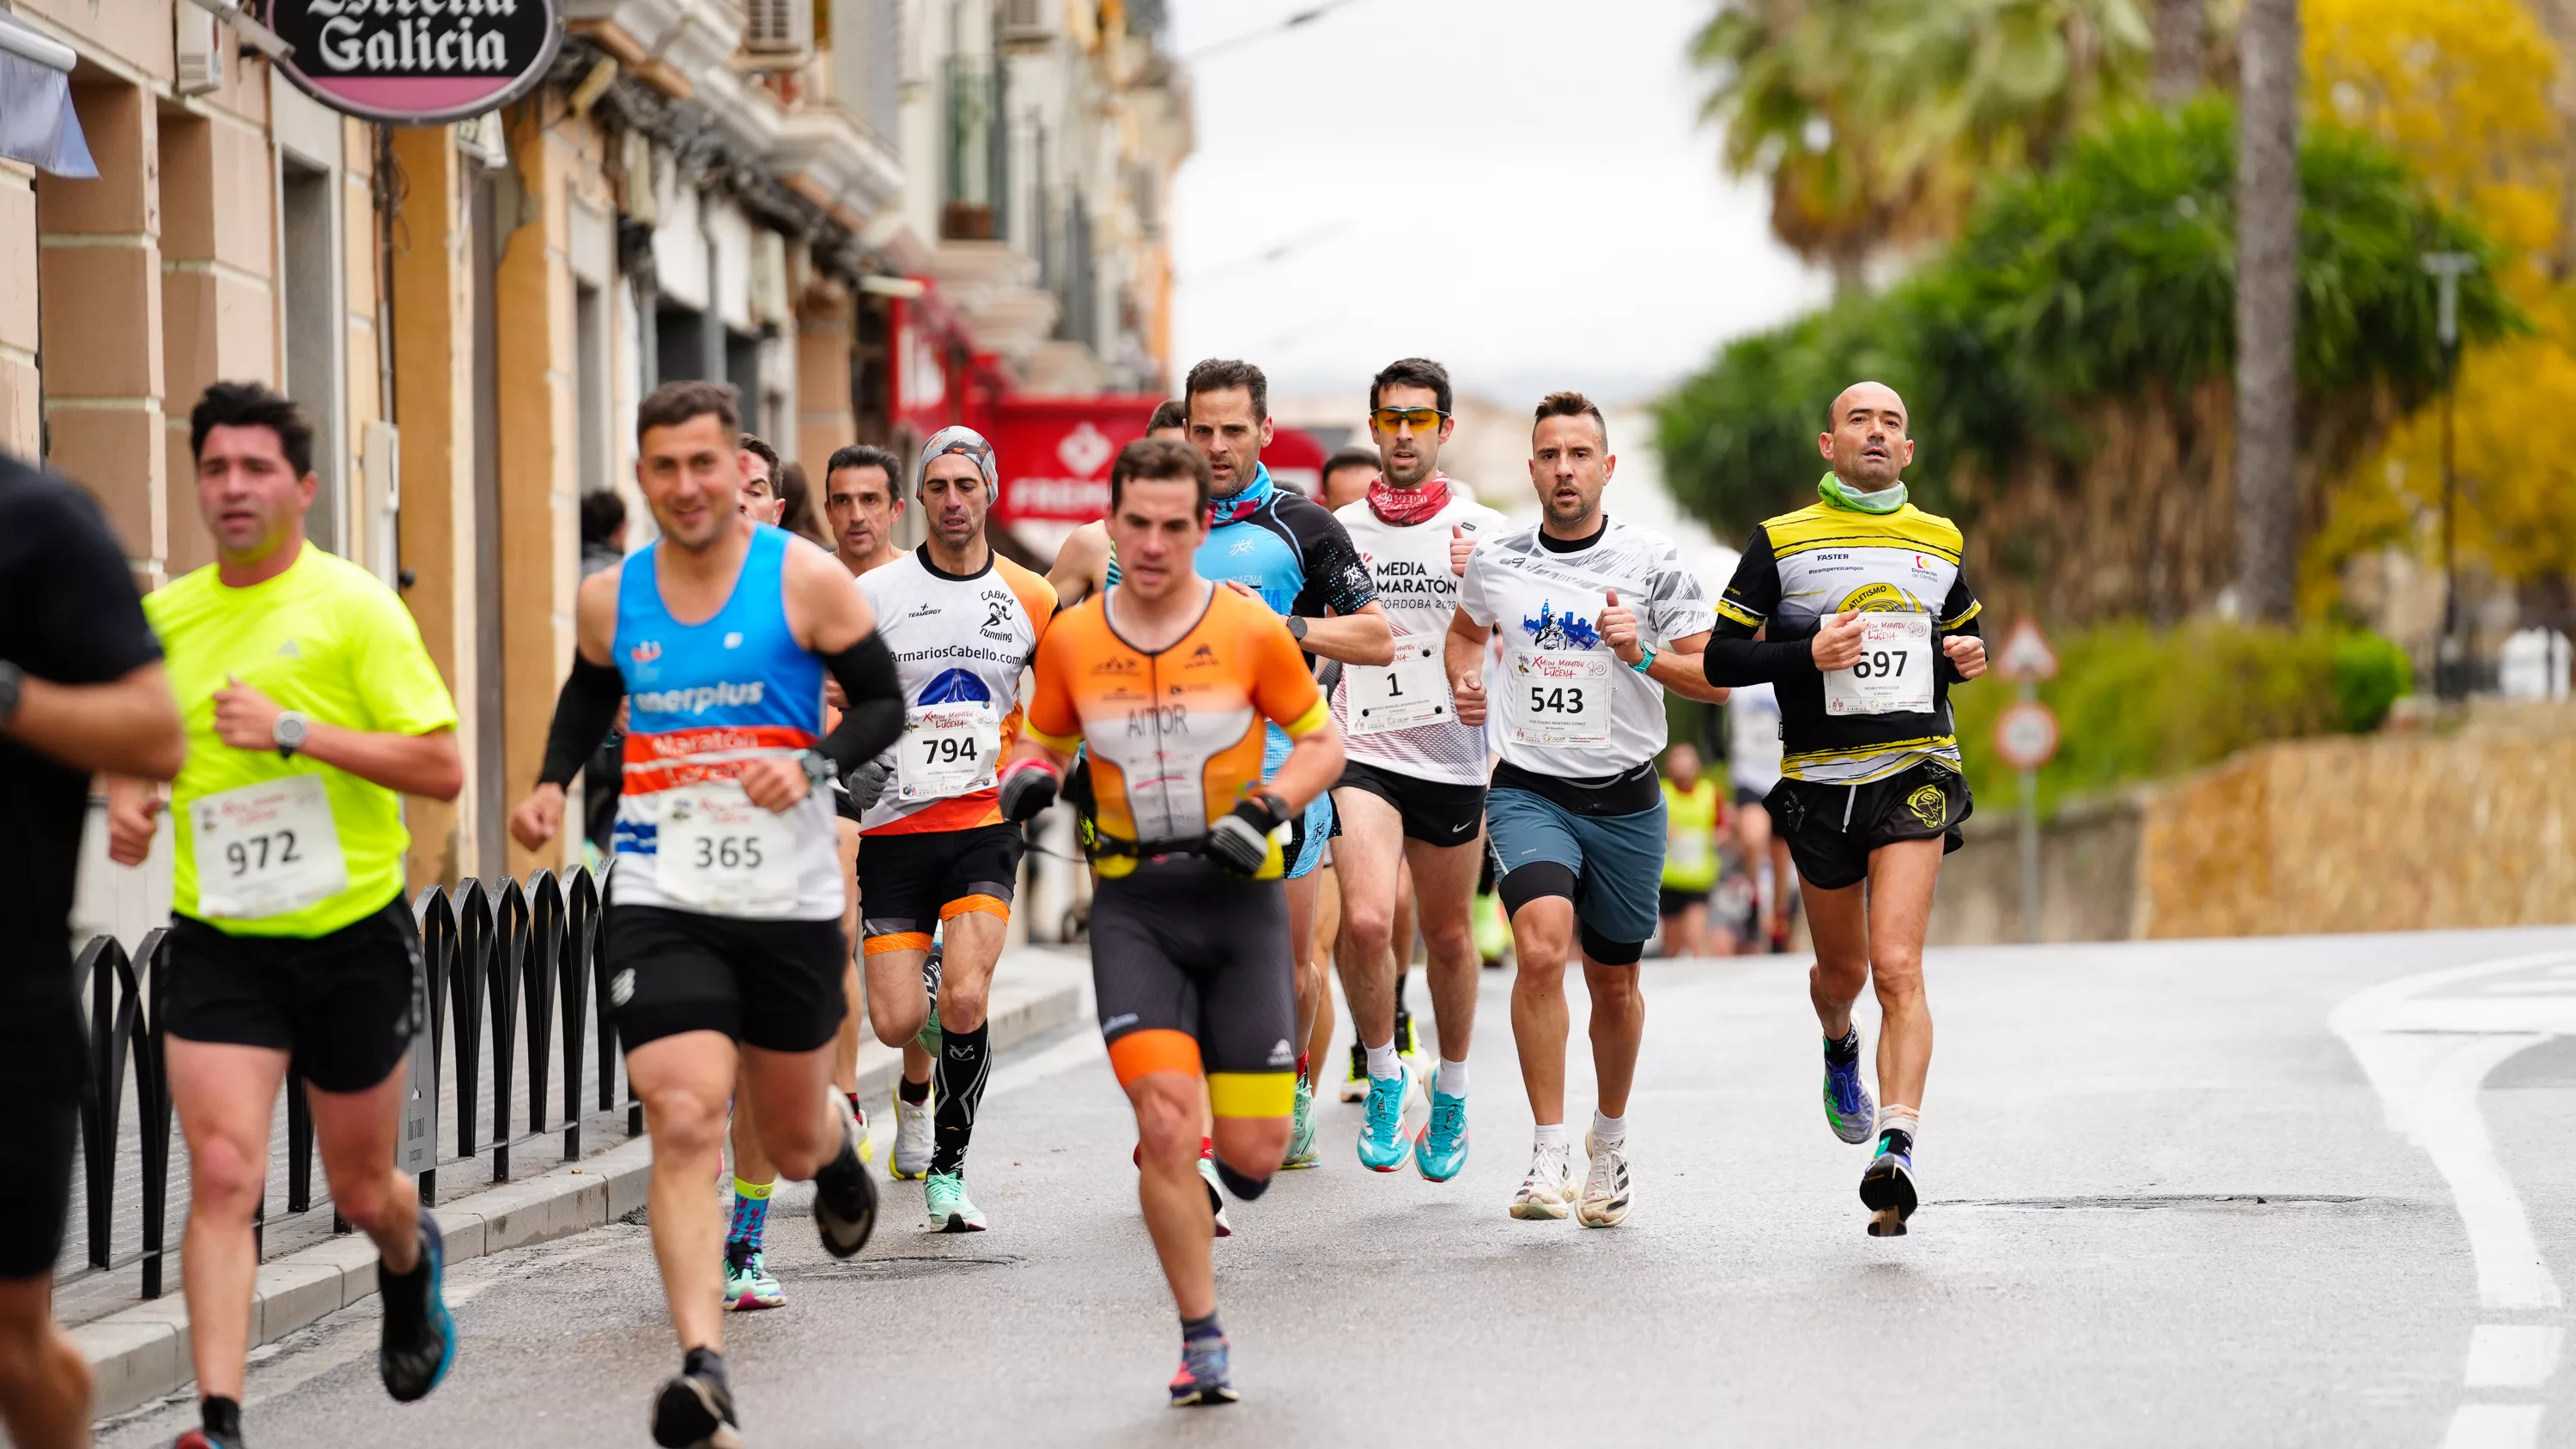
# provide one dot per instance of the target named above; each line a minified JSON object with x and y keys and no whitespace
{"x":1887,"y":1189}
{"x":419,"y":1342}
{"x":845,"y":1201}
{"x":695,"y":1411}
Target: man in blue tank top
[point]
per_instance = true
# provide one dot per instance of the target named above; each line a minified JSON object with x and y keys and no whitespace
{"x":725,"y":899}
{"x":1291,"y":553}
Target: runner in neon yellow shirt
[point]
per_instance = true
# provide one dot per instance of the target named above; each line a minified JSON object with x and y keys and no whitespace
{"x":1691,"y":812}
{"x":311,"y":707}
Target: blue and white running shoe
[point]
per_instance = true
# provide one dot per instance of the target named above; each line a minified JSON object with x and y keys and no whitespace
{"x":1848,"y":1109}
{"x":1384,"y":1142}
{"x":1442,"y":1148}
{"x":1202,"y":1379}
{"x":1301,"y":1127}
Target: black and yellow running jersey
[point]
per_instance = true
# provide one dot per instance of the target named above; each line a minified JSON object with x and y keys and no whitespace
{"x":1800,"y":570}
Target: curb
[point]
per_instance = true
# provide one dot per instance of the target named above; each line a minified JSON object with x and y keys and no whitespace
{"x":140,"y":1354}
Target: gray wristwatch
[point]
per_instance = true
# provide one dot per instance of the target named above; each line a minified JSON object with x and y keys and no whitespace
{"x":819,"y":768}
{"x":11,"y":677}
{"x":290,"y":732}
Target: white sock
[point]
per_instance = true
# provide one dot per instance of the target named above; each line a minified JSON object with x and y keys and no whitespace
{"x":1451,"y":1079}
{"x":1548,"y":1134}
{"x":1382,"y":1061}
{"x":1607,"y":1130}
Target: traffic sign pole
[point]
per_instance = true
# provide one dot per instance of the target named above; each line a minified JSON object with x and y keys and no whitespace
{"x":2029,"y":835}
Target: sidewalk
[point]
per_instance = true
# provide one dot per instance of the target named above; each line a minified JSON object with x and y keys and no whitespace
{"x":140,"y":1351}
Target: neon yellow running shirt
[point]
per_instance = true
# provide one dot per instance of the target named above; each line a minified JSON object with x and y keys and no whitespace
{"x":327,"y":638}
{"x":1690,"y":830}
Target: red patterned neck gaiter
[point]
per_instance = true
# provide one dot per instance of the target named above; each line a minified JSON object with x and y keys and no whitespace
{"x":1404,"y":507}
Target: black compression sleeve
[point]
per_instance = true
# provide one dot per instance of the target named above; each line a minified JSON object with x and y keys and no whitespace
{"x":1736,"y":658}
{"x":874,"y":718}
{"x":583,"y":713}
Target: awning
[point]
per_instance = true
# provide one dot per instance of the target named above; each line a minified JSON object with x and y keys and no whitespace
{"x":37,"y":123}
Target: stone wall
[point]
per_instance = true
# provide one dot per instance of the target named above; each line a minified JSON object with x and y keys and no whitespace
{"x":2464,"y":823}
{"x":2088,"y":872}
{"x":2392,"y":832}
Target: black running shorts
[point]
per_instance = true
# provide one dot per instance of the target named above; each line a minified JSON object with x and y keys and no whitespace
{"x":775,"y":985}
{"x":40,"y":1079}
{"x":1831,"y":829}
{"x":1435,"y":812}
{"x":1670,"y":902}
{"x":343,"y":1005}
{"x":1190,"y":966}
{"x":908,"y":883}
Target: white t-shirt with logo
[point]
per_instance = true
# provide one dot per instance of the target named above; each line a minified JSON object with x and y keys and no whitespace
{"x":1420,"y":595}
{"x":959,"y":644}
{"x":1563,"y":703}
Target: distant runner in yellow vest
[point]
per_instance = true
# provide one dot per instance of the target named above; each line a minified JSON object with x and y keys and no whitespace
{"x":1691,"y":810}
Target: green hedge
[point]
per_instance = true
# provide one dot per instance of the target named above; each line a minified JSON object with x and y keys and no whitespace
{"x":2136,"y":703}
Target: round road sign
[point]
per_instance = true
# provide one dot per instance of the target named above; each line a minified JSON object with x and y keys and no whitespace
{"x":2026,"y":734}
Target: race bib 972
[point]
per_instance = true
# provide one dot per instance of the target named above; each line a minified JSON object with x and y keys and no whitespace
{"x":268,"y":849}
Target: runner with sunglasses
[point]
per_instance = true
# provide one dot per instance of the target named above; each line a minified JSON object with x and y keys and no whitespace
{"x":1412,"y":798}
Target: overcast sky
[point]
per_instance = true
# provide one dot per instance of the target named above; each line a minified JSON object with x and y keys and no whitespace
{"x":1518,"y":188}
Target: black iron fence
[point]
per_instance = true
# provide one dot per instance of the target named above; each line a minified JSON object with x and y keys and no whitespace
{"x":515,"y":984}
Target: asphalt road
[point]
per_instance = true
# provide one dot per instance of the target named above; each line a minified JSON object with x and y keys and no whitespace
{"x":2172,"y":1199}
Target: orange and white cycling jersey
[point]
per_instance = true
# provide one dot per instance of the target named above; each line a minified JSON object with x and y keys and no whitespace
{"x":1175,"y":734}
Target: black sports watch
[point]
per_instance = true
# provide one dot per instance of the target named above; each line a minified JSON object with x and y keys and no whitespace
{"x":11,"y":678}
{"x":1297,"y":627}
{"x":820,"y":772}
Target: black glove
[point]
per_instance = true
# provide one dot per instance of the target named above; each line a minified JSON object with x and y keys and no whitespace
{"x":1028,"y":788}
{"x":1240,"y":841}
{"x":867,"y":783}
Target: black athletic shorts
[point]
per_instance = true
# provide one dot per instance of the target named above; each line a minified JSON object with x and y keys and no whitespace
{"x":1191,"y":970}
{"x":1831,"y":829}
{"x":41,"y":1080}
{"x":343,"y":1005}
{"x":910,"y":883}
{"x":1670,"y":902}
{"x":1435,"y":811}
{"x":775,"y":985}
{"x":1747,"y":795}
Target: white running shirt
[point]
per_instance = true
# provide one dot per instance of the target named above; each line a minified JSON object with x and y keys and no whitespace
{"x":1420,"y":595}
{"x":1753,"y":737}
{"x":1553,"y":684}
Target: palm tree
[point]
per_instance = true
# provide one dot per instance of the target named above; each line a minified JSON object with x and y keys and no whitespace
{"x":2267,"y":277}
{"x":1874,"y":119}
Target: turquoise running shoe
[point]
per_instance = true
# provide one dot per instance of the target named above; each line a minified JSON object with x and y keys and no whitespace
{"x":1848,"y":1109}
{"x":1383,"y":1142}
{"x":419,"y":1335}
{"x":1441,"y":1150}
{"x":1301,"y":1128}
{"x":944,"y":1195}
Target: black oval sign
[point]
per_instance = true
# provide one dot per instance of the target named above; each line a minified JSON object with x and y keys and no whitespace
{"x":416,"y":61}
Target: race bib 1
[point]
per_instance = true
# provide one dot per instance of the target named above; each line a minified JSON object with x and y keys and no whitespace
{"x":266,"y":849}
{"x":946,"y":749}
{"x":719,"y":854}
{"x":1894,"y":672}
{"x":1411,"y":692}
{"x":1560,"y":697}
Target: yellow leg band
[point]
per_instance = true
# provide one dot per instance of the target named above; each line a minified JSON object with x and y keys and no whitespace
{"x":1252,"y":1094}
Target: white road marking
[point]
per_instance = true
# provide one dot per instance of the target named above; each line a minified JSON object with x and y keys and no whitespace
{"x":2427,"y":1056}
{"x":2494,"y":1426}
{"x":2512,"y":1355}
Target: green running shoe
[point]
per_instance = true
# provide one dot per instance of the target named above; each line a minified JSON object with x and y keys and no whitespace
{"x":945,"y":1195}
{"x":1301,"y":1130}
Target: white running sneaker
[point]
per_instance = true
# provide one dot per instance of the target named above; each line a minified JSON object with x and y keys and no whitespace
{"x":1548,"y":1192}
{"x":1605,"y":1190}
{"x":913,"y":1139}
{"x":1216,"y":1199}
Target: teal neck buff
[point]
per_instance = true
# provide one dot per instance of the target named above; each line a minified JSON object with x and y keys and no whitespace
{"x":1885,"y":500}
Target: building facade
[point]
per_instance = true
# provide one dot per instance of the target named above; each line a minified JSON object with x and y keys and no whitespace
{"x":868,"y":215}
